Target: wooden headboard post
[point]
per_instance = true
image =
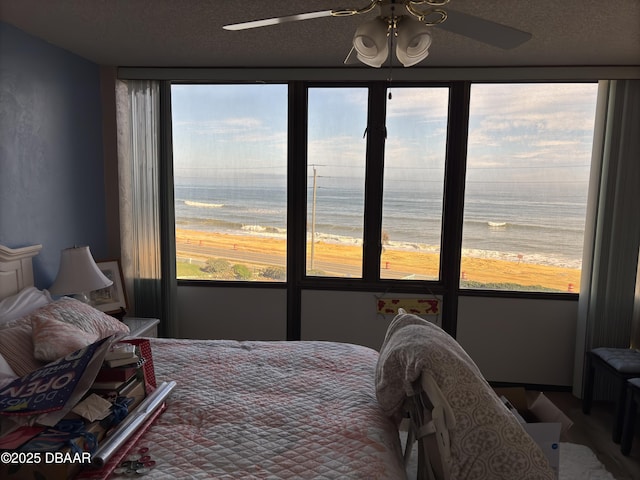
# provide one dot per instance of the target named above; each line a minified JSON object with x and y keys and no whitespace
{"x":16,"y":268}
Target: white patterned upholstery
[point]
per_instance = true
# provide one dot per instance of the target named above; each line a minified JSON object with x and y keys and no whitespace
{"x":486,"y":440}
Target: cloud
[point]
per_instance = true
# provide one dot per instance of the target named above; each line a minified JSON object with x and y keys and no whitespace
{"x":516,"y":130}
{"x":524,"y":131}
{"x":244,"y":122}
{"x":339,"y":155}
{"x":428,"y":104}
{"x":522,"y":99}
{"x":220,"y":126}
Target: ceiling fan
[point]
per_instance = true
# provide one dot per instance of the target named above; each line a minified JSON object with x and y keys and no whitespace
{"x":407,"y":22}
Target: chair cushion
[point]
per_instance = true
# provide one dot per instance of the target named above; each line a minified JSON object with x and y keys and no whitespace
{"x":635,"y":382}
{"x":623,"y":360}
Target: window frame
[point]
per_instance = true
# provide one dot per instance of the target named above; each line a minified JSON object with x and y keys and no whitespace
{"x":447,"y":286}
{"x":374,"y":180}
{"x":167,"y":119}
{"x":521,"y":294}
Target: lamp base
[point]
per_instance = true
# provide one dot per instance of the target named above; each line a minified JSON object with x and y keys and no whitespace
{"x":82,"y":297}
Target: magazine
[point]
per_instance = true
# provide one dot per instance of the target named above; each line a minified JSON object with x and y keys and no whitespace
{"x":47,"y":394}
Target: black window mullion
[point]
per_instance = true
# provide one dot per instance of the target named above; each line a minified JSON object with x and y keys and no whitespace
{"x":453,"y":210}
{"x":296,"y":205}
{"x":376,"y":136}
{"x":169,"y":284}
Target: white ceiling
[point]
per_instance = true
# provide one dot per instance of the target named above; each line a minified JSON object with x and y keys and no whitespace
{"x":188,"y":33}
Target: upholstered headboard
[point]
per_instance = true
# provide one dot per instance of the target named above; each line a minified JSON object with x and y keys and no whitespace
{"x":16,"y":269}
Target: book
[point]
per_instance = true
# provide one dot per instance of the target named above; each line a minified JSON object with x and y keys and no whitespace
{"x":130,"y":386}
{"x":136,"y":393}
{"x":109,"y":374}
{"x":109,"y":385}
{"x":119,"y":389}
{"x":120,"y":350}
{"x":119,"y":362}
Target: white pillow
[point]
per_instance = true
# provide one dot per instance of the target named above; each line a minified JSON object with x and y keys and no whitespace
{"x":7,"y":375}
{"x":22,"y":303}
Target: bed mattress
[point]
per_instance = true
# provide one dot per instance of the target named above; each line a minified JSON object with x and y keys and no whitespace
{"x":265,"y":410}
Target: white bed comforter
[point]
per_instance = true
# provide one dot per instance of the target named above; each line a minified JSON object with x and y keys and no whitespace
{"x":266,"y":410}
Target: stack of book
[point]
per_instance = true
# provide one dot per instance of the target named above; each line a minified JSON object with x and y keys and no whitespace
{"x":39,"y":418}
{"x":121,"y":353}
{"x":76,"y":422}
{"x":121,"y":374}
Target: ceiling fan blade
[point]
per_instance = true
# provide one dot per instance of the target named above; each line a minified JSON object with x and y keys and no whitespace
{"x":275,"y":21}
{"x":485,"y":31}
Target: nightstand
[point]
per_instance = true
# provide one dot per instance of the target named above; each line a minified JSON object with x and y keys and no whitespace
{"x":142,"y":327}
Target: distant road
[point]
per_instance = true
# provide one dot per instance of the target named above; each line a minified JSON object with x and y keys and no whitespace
{"x":184,"y":249}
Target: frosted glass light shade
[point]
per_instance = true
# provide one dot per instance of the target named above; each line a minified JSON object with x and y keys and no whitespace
{"x":78,"y":273}
{"x":370,"y":42}
{"x":414,"y":41}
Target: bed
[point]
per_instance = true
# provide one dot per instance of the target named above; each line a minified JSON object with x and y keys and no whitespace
{"x":290,"y":410}
{"x":271,"y":410}
{"x":254,"y":409}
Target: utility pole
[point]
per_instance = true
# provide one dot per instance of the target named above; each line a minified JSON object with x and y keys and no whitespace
{"x":313,"y":218}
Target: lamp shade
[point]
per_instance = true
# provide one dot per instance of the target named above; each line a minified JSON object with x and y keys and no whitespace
{"x":370,"y":42}
{"x":78,"y":273}
{"x":414,"y":41}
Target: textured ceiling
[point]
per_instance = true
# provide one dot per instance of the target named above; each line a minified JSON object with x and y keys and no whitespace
{"x":188,"y":33}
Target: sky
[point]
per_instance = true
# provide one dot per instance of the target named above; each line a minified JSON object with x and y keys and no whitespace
{"x":537,"y":133}
{"x":529,"y":133}
{"x":229,"y":130}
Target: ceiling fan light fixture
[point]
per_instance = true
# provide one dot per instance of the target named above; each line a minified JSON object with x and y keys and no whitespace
{"x":370,"y":42}
{"x":413,"y":41}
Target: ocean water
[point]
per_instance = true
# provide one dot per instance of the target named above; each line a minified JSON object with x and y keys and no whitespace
{"x":531,"y":227}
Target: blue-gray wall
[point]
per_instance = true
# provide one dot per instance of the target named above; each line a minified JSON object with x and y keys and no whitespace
{"x":51,"y":154}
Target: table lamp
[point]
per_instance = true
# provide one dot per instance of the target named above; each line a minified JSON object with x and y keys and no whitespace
{"x":78,"y":274}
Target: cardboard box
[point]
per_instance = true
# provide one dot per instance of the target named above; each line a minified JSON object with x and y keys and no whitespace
{"x":544,"y":422}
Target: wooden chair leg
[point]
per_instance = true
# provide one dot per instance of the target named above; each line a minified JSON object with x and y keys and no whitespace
{"x":619,"y":410}
{"x":629,"y":422}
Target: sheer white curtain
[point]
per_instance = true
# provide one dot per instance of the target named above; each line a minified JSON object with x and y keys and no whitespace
{"x":149,"y":288}
{"x":612,"y":240}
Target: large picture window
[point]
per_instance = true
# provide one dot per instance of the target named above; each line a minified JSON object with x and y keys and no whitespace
{"x":528,"y":163}
{"x":527,"y":170}
{"x":230,"y":164}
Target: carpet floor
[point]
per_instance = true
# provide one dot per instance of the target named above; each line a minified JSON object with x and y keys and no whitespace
{"x":579,"y":462}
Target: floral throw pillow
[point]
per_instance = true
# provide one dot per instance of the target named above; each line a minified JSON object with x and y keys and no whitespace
{"x":80,"y":315}
{"x":53,"y":339}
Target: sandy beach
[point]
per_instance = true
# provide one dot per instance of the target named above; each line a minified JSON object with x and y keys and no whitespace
{"x":200,"y":245}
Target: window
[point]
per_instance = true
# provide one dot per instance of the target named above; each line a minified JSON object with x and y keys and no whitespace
{"x":336,"y":158}
{"x":529,"y":155}
{"x":527,"y":174}
{"x":230,"y":164}
{"x":413,"y":183}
